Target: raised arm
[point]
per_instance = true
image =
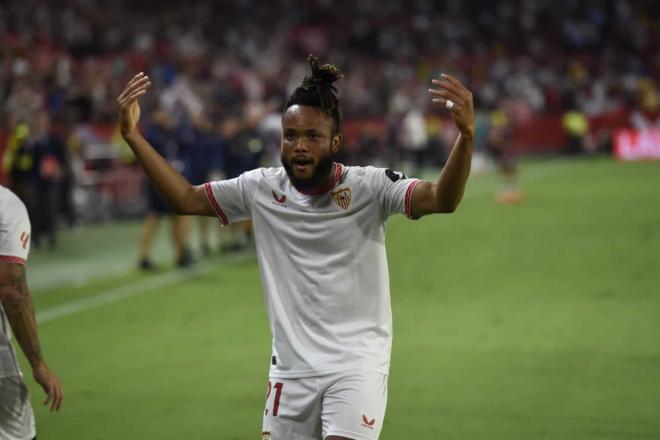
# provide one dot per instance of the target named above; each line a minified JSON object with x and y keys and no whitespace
{"x":445,"y":195}
{"x":17,"y":303}
{"x":182,"y":197}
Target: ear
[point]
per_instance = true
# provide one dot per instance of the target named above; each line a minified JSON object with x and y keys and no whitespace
{"x":336,"y":143}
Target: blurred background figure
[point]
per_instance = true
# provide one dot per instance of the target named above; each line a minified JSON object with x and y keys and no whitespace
{"x":646,"y":109}
{"x":50,"y":162}
{"x":499,"y":145}
{"x":237,"y":138}
{"x":202,"y":153}
{"x":576,"y":127}
{"x":414,"y":140}
{"x":163,"y":137}
{"x":19,"y":163}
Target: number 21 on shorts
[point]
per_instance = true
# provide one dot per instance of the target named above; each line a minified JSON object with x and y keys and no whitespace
{"x":276,"y":401}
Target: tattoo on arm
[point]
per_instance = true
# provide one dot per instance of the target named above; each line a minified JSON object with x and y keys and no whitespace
{"x":17,"y":302}
{"x":13,"y":290}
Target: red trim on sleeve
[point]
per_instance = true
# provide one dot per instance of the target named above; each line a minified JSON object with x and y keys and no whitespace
{"x":215,"y":205}
{"x":11,"y":259}
{"x":409,"y":192}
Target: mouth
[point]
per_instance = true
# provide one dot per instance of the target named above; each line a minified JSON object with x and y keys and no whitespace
{"x":302,"y":163}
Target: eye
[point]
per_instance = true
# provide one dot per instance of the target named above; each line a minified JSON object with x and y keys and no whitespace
{"x":313,"y":136}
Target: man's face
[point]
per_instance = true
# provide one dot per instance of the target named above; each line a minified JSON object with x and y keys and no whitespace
{"x":308,"y":144}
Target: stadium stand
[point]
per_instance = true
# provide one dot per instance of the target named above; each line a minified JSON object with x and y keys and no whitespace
{"x":599,"y":60}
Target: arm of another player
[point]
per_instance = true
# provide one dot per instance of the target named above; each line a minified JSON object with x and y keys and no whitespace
{"x":445,"y":195}
{"x":17,"y":302}
{"x":183,"y":197}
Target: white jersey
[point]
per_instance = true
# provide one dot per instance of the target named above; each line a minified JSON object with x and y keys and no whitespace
{"x":14,"y":248}
{"x":322,"y":262}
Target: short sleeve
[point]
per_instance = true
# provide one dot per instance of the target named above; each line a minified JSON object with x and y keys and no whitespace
{"x":15,"y":233}
{"x":232,"y":199}
{"x":392,"y":189}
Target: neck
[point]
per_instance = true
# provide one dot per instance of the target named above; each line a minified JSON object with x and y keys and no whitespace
{"x":328,"y":181}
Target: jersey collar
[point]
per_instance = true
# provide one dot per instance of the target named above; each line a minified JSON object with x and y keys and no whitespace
{"x":325,"y":188}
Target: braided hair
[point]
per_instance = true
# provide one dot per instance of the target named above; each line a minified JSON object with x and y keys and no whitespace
{"x":318,"y":90}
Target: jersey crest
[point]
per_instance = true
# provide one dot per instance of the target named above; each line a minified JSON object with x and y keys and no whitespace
{"x":342,"y":197}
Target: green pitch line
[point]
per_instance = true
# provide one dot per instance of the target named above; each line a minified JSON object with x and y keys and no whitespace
{"x":132,"y":288}
{"x":109,"y":296}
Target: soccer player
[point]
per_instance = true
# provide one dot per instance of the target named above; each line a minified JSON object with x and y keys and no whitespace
{"x":320,"y":234}
{"x":17,"y":314}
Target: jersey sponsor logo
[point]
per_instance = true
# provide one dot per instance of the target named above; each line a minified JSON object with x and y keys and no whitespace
{"x":279,"y":200}
{"x":25,"y":238}
{"x":366,"y":423}
{"x":342,"y":197}
{"x":395,"y":175}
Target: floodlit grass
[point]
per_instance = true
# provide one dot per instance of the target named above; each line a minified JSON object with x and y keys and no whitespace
{"x":536,"y":321}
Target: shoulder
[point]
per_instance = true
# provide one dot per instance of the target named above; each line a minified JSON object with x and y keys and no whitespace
{"x":15,"y":228}
{"x":357,"y":173}
{"x":258,"y":177}
{"x":271,"y":175}
{"x":11,"y":207}
{"x":372,"y":175}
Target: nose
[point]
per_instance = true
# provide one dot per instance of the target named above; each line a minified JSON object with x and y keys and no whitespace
{"x":300,"y":145}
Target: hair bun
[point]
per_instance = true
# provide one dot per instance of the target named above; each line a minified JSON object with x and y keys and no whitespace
{"x":325,"y":74}
{"x":317,"y":90}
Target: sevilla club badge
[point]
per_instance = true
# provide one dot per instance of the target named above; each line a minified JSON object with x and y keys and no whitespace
{"x":342,"y":197}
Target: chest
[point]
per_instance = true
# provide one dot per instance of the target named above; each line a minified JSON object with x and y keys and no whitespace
{"x":327,"y":224}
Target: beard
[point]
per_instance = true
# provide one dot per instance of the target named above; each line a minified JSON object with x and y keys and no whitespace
{"x":320,"y":176}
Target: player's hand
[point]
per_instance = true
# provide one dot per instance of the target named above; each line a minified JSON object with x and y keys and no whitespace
{"x":450,"y":93}
{"x":129,"y":109}
{"x":51,"y":385}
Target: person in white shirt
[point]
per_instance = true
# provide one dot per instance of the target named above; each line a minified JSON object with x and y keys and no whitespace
{"x":17,"y":316}
{"x":320,"y":235}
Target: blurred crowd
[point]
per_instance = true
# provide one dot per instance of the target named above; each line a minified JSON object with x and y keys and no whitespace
{"x":224,"y":68}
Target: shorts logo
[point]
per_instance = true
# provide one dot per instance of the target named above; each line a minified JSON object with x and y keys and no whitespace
{"x":279,"y":200}
{"x":342,"y":197}
{"x":25,"y":237}
{"x":366,"y":423}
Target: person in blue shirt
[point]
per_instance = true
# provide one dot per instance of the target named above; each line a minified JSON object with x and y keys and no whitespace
{"x":163,"y":137}
{"x":202,"y":152}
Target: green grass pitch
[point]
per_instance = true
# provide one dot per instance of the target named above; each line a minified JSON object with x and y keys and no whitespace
{"x":536,"y":321}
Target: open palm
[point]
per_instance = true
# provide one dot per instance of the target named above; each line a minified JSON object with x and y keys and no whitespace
{"x":129,"y":109}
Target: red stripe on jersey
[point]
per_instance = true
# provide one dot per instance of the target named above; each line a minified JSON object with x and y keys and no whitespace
{"x":12,"y":259}
{"x":409,"y":192}
{"x":325,"y":188}
{"x":215,"y":205}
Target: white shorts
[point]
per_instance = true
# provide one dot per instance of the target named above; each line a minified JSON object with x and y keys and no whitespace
{"x":347,"y":404}
{"x":16,"y":417}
